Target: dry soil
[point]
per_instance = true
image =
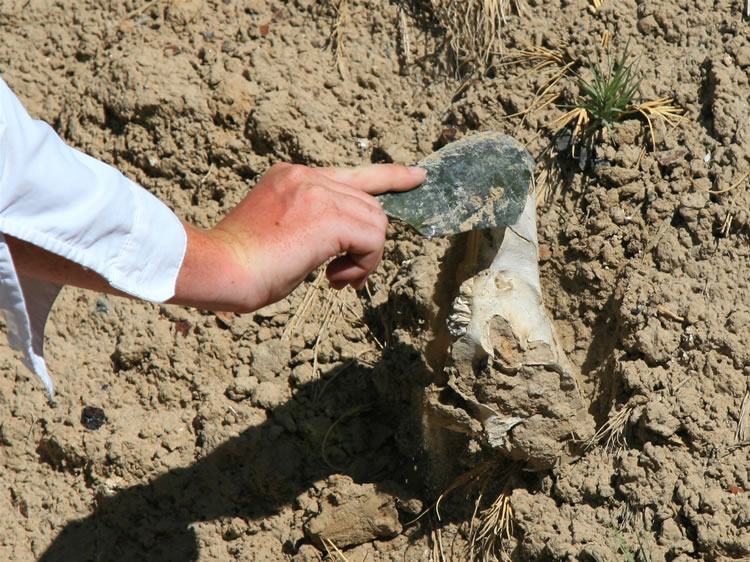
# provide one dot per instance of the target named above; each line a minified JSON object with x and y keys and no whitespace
{"x":267,"y":436}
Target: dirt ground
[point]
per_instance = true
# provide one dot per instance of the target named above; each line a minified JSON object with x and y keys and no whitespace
{"x":295,"y":433}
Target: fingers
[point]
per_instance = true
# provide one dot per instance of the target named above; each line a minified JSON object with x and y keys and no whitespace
{"x":360,"y":227}
{"x":345,"y":270}
{"x":334,"y":214}
{"x":376,"y":178}
{"x":361,"y":182}
{"x":342,"y":272}
{"x":296,"y":175}
{"x":361,"y":252}
{"x":360,"y":260}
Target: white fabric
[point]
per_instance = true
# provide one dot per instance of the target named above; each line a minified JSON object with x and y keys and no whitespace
{"x":68,"y":203}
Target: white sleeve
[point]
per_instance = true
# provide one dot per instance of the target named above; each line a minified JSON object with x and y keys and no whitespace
{"x":68,"y":203}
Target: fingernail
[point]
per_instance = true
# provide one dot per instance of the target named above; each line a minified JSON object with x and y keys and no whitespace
{"x":417,"y":172}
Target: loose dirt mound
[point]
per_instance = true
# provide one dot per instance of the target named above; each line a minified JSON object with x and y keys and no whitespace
{"x":259,"y":437}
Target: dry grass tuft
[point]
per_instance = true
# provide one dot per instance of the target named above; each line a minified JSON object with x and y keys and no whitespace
{"x":541,"y":58}
{"x":465,"y":479}
{"x":490,"y":528}
{"x":474,"y":30}
{"x":612,"y":433}
{"x":662,"y":108}
{"x":578,"y":116}
{"x":337,"y":38}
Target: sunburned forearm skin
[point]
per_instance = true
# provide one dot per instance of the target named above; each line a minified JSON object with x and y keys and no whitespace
{"x":212,"y":275}
{"x":33,"y":261}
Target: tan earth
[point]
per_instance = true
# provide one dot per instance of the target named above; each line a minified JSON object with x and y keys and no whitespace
{"x":298,"y":432}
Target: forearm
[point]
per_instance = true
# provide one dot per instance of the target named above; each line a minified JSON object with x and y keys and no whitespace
{"x":208,"y":277}
{"x":33,"y":261}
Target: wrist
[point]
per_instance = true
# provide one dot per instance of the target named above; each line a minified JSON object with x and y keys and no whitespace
{"x":213,"y":275}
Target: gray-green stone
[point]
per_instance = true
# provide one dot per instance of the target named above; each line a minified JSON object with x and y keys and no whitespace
{"x":480,"y":181}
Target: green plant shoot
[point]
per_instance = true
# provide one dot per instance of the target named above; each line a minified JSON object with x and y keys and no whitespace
{"x":609,"y":94}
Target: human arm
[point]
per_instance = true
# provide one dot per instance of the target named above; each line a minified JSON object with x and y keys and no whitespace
{"x":294,"y":220}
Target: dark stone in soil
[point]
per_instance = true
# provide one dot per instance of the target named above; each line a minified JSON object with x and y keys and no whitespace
{"x":92,"y":417}
{"x":478,"y":182}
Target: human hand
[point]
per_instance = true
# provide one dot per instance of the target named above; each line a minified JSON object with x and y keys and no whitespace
{"x":293,"y":220}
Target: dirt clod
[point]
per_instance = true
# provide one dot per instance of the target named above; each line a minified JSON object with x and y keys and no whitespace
{"x":352,"y":514}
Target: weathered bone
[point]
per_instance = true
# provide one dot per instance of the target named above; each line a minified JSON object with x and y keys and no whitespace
{"x":506,"y":365}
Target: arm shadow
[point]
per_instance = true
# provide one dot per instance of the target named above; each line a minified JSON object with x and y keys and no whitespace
{"x":262,"y":470}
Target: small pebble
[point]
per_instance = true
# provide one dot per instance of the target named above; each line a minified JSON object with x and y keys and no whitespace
{"x":92,"y":417}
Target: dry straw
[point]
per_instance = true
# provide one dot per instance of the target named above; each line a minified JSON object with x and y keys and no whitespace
{"x":612,"y":433}
{"x":490,"y":528}
{"x":337,"y":38}
{"x":474,"y":30}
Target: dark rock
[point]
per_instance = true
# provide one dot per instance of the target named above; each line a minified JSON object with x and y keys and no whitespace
{"x":93,"y":418}
{"x":478,"y":182}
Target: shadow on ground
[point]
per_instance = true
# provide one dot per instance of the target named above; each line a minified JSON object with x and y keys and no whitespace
{"x":252,"y":475}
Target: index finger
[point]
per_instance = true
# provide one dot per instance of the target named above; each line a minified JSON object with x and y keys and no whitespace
{"x":377,"y":178}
